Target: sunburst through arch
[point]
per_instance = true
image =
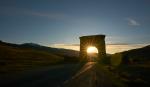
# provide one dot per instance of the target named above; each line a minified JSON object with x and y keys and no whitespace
{"x":87,"y":49}
{"x":92,"y":52}
{"x":92,"y":49}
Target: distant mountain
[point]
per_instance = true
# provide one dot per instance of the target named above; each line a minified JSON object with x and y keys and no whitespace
{"x":57,"y":51}
{"x":30,"y":45}
{"x":8,"y":44}
{"x":135,"y":56}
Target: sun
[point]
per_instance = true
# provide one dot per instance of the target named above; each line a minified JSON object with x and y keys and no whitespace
{"x":92,"y":49}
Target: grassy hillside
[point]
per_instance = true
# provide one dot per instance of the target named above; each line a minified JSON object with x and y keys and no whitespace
{"x":14,"y":59}
{"x":133,"y":66}
{"x":132,"y":57}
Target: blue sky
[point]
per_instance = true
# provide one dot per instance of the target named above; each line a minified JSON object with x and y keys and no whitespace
{"x":64,"y":21}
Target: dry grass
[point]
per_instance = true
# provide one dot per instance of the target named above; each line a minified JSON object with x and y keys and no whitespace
{"x":13,"y":59}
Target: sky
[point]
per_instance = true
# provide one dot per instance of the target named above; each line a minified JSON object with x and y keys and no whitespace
{"x":53,"y":22}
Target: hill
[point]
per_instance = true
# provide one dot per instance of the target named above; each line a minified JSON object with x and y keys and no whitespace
{"x":57,"y":51}
{"x":20,"y":57}
{"x":132,"y":67}
{"x":135,"y":56}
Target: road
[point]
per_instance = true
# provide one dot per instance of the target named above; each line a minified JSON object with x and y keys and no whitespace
{"x":67,"y":75}
{"x":89,"y":76}
{"x":53,"y":76}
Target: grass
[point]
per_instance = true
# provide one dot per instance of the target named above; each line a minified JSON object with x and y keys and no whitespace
{"x":135,"y":75}
{"x":132,"y":67}
{"x":13,"y":59}
{"x":116,"y":59}
{"x":114,"y":78}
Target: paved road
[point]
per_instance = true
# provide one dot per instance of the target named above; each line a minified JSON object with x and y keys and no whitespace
{"x":89,"y":76}
{"x":53,"y":76}
{"x":68,"y":75}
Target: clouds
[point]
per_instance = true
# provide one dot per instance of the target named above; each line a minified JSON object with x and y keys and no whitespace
{"x":132,"y":22}
{"x":46,"y":14}
{"x":110,"y":48}
{"x":13,"y":11}
{"x":67,"y":46}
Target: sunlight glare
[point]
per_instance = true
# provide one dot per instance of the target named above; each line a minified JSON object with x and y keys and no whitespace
{"x":92,"y":50}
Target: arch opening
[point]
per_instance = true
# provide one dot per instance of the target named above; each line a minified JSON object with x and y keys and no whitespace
{"x":92,"y":53}
{"x":92,"y":49}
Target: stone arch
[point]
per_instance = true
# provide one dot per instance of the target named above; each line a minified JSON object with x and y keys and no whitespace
{"x":93,"y":40}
